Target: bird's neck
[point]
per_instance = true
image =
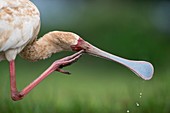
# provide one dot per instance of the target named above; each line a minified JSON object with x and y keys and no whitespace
{"x":49,"y":44}
{"x":40,"y":49}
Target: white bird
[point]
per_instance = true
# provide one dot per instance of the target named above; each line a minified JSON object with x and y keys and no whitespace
{"x":19,"y":27}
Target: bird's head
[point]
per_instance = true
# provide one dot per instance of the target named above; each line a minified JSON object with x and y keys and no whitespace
{"x":68,"y":41}
{"x":53,"y":42}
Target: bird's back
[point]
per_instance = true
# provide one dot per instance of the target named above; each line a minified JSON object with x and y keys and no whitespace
{"x":19,"y":24}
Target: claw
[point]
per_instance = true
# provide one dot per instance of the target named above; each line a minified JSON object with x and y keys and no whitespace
{"x":69,"y":62}
{"x":59,"y":64}
{"x":63,"y":71}
{"x":72,"y":56}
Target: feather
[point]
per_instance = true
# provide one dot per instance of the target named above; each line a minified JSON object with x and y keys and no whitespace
{"x":19,"y":24}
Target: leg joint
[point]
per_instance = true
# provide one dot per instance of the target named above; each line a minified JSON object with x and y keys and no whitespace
{"x":17,"y":96}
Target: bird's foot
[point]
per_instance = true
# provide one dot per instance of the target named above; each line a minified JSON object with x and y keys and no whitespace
{"x":59,"y":64}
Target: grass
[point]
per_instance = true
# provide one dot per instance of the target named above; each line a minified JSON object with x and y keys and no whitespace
{"x":88,"y":91}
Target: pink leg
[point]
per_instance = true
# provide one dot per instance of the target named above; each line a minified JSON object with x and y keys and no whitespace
{"x":56,"y":66}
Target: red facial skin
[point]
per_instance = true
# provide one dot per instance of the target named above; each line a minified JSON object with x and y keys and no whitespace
{"x":81,"y":45}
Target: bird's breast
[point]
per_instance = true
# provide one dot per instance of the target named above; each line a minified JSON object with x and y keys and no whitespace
{"x":18,"y":25}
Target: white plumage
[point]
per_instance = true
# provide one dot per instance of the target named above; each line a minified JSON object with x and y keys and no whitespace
{"x":19,"y":25}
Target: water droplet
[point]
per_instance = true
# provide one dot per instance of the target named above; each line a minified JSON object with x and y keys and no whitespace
{"x":127,"y":111}
{"x":137,"y":104}
{"x":140,"y":95}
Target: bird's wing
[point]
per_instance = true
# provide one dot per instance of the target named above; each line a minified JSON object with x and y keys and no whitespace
{"x":19,"y":23}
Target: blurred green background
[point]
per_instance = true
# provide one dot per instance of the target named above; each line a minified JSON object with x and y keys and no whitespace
{"x":135,"y":29}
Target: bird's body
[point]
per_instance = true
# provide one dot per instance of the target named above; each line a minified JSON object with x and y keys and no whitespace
{"x":19,"y":27}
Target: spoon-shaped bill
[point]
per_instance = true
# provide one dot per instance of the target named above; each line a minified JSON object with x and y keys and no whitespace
{"x":141,"y":68}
